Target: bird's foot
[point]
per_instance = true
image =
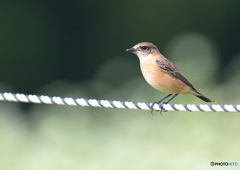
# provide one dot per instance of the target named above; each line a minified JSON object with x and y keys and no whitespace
{"x":152,"y":106}
{"x":160,"y":107}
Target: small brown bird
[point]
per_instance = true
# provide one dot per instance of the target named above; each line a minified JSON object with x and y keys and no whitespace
{"x":162,"y":75}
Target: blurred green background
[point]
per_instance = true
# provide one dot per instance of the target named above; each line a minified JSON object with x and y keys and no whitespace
{"x":77,"y":49}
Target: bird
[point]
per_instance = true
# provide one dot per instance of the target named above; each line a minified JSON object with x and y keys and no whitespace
{"x":162,"y":74}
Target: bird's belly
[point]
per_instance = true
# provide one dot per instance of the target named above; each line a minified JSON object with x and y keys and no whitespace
{"x":160,"y":84}
{"x":163,"y":81}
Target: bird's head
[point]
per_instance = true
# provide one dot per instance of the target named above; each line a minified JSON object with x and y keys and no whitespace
{"x":144,"y":50}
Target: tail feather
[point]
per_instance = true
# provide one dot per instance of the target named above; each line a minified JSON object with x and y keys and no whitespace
{"x":204,"y":98}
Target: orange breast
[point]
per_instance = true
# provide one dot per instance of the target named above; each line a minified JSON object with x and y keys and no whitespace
{"x":161,"y":80}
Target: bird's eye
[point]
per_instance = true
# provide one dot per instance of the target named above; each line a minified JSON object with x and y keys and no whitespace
{"x":145,"y":48}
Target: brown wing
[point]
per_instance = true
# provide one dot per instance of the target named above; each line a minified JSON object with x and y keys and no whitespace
{"x":173,"y":71}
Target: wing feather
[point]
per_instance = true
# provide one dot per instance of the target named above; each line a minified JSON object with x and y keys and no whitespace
{"x":173,"y":71}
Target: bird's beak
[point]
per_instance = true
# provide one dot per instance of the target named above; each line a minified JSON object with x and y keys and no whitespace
{"x":130,"y":49}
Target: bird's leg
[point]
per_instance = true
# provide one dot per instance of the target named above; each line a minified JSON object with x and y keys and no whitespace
{"x":161,"y":104}
{"x":158,"y":102}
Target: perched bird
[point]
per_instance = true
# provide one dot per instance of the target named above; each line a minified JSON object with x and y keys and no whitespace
{"x":162,"y":75}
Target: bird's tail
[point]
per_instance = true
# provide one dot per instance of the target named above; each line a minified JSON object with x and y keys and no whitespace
{"x":204,"y":98}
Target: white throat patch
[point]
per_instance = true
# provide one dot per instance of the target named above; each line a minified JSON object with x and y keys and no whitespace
{"x":145,"y":58}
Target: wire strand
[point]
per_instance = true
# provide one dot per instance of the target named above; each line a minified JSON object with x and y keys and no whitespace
{"x":16,"y":97}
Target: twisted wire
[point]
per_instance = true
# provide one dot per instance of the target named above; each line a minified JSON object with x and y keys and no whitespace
{"x":16,"y":97}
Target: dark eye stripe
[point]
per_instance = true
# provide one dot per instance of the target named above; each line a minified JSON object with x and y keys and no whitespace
{"x":145,"y":47}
